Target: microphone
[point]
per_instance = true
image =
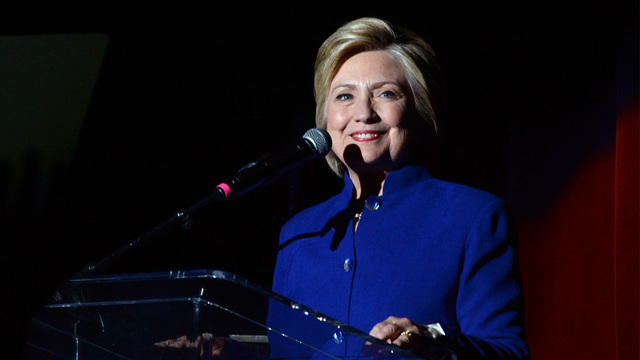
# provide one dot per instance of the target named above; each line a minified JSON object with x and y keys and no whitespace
{"x":315,"y":143}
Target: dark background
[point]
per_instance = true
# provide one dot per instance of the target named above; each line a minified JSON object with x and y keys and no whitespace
{"x":188,"y":93}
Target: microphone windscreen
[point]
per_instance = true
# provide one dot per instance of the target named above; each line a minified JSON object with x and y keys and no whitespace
{"x":320,"y":139}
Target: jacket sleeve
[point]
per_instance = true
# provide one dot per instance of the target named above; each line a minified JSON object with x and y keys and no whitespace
{"x":490,"y":305}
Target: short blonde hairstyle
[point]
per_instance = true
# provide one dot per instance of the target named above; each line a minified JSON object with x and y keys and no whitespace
{"x":410,"y":50}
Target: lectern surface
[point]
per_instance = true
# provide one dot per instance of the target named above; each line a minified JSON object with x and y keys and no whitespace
{"x":122,"y":317}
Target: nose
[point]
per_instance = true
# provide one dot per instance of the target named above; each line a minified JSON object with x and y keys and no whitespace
{"x":364,"y":111}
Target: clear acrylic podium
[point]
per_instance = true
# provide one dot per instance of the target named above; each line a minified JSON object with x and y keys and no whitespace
{"x":122,"y":316}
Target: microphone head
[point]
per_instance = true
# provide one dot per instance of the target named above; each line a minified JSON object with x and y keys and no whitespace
{"x":320,"y":140}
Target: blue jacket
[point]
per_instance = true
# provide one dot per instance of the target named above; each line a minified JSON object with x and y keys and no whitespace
{"x":429,"y":250}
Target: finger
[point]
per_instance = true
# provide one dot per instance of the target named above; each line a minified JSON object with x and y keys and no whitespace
{"x":162,"y":344}
{"x":192,"y":344}
{"x":205,"y":344}
{"x":220,"y":341}
{"x":405,"y":322}
{"x":195,"y":344}
{"x":218,"y":354}
{"x":405,"y":339}
{"x":385,"y":330}
{"x":177,"y":344}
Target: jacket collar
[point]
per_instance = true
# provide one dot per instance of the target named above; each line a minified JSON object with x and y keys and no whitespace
{"x":396,"y":183}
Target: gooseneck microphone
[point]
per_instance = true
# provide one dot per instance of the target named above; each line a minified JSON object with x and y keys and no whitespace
{"x":315,"y":143}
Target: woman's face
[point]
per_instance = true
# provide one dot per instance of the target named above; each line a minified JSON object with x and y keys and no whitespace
{"x":367,"y":113}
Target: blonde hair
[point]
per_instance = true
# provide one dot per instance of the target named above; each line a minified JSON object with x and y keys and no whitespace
{"x":410,"y":50}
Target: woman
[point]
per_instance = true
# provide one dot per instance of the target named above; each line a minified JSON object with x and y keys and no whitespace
{"x":422,"y":263}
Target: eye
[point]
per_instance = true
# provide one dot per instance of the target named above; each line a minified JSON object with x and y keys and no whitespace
{"x":388,"y":94}
{"x":344,"y":97}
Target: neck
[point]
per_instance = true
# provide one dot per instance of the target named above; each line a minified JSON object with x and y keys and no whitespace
{"x":367,"y":184}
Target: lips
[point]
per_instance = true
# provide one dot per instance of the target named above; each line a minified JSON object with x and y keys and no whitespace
{"x":369,"y":135}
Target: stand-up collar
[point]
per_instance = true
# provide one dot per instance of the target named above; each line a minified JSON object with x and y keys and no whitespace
{"x":396,"y":182}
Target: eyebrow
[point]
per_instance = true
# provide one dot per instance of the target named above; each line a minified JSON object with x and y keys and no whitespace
{"x":375,"y":85}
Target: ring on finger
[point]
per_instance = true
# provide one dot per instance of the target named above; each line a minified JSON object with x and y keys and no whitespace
{"x":408,"y":334}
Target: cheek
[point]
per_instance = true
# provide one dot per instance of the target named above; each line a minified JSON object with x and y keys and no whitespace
{"x":396,"y":116}
{"x":338,"y":116}
{"x":334,"y":119}
{"x":405,"y":131}
{"x":403,"y":143}
{"x":335,"y":130}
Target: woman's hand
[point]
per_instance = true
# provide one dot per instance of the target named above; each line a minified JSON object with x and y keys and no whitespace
{"x":207,"y":345}
{"x":180,"y":343}
{"x":405,"y":334}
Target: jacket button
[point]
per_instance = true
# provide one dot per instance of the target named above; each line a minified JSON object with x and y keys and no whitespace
{"x":348,"y":264}
{"x":373,"y":203}
{"x":338,"y":337}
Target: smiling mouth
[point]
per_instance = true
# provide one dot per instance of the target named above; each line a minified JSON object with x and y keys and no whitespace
{"x":366,"y":136}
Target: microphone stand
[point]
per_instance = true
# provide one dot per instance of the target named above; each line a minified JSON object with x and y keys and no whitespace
{"x":181,"y":217}
{"x":248,"y":177}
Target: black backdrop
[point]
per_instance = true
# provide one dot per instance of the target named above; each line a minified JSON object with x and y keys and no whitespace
{"x":188,"y":93}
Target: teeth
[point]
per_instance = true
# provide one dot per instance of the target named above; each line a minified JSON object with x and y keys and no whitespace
{"x":365,"y":135}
